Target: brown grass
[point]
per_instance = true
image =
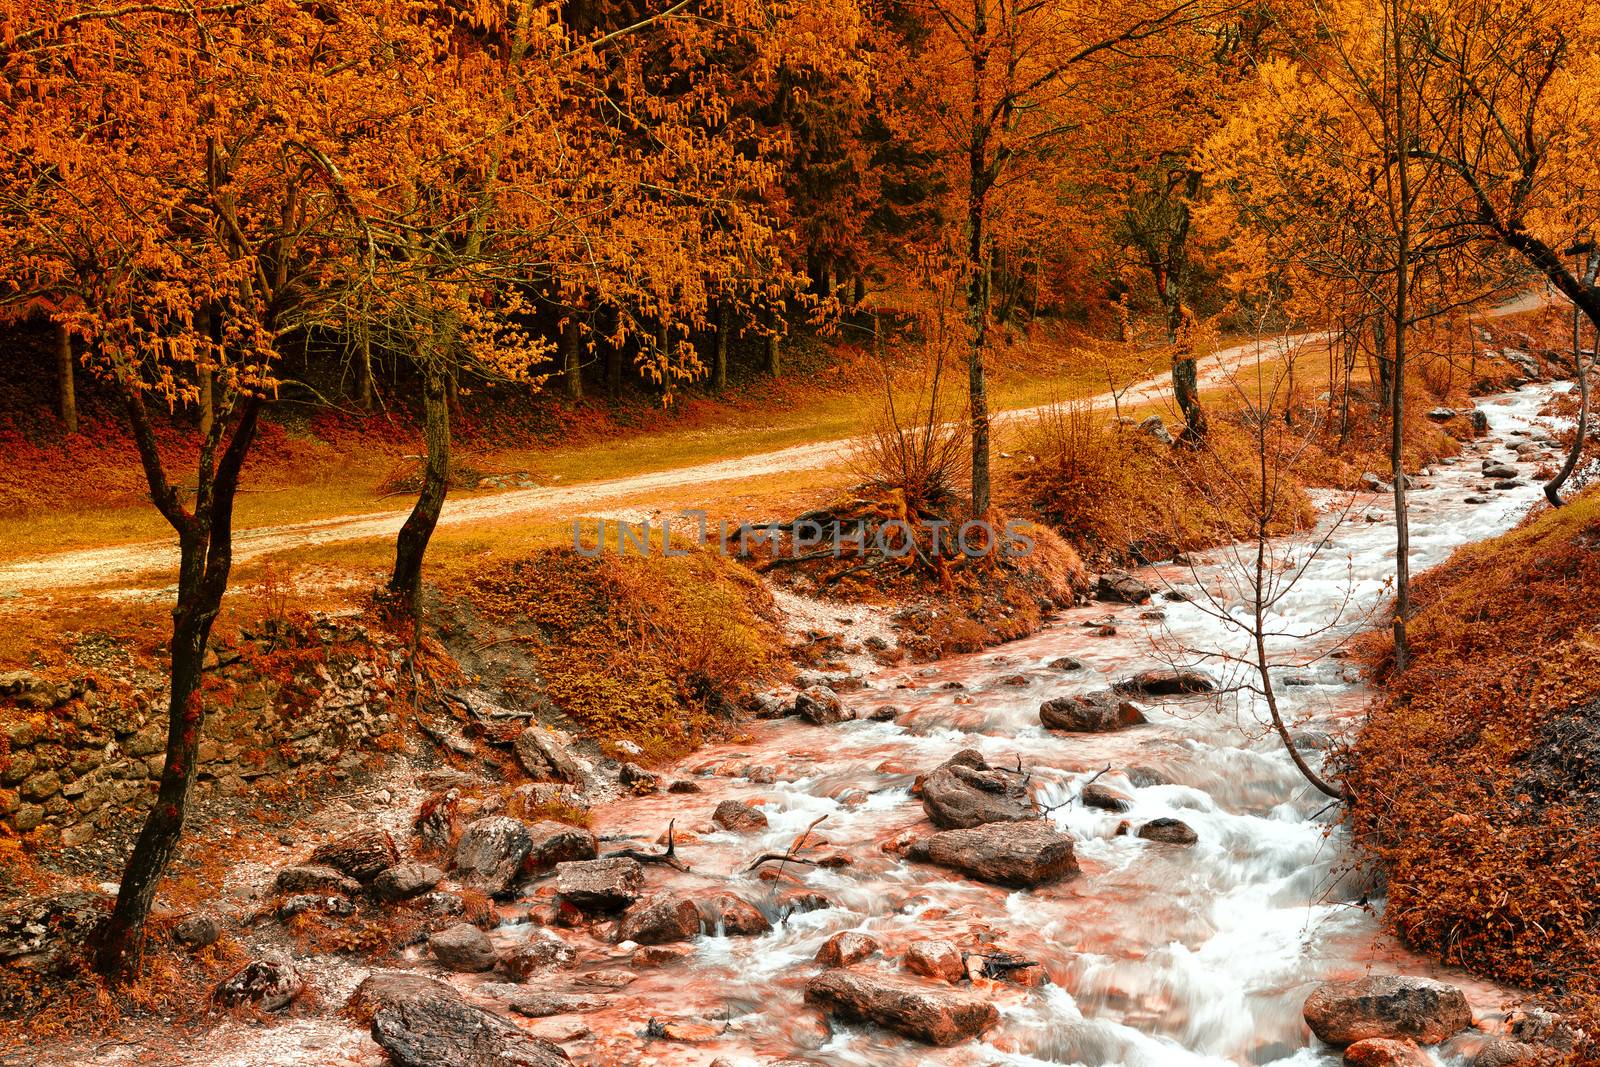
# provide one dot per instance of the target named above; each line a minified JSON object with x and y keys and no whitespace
{"x":1486,"y":867}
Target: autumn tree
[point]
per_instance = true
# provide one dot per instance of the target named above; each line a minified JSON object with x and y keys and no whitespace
{"x":1024,"y":74}
{"x":1507,"y":117}
{"x":192,"y":181}
{"x":1324,"y":171}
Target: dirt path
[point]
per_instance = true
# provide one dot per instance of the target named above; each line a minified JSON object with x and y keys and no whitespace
{"x":157,"y":559}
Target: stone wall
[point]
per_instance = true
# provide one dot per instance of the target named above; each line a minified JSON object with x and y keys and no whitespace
{"x":84,"y":752}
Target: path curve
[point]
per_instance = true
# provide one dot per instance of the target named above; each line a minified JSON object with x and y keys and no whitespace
{"x":116,"y":563}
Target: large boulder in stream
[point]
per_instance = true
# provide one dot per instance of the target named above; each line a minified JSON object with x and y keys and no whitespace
{"x":821,"y":705}
{"x":938,"y":1016}
{"x":1019,"y":854}
{"x":965,"y":792}
{"x":420,"y":1022}
{"x":660,"y":920}
{"x":600,"y":886}
{"x":1120,"y":587}
{"x":1090,"y":713}
{"x":1389,"y":1006}
{"x":1167,"y":682}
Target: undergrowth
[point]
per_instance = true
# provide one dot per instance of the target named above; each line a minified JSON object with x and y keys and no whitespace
{"x":1474,"y":777}
{"x":651,"y":650}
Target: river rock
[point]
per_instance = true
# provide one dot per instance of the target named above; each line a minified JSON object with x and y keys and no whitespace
{"x":270,"y":983}
{"x":1495,"y":470}
{"x":1442,"y":414}
{"x":491,"y":852}
{"x":542,"y":951}
{"x":1105,"y":798}
{"x":463,"y":947}
{"x":965,"y":791}
{"x":363,"y":855}
{"x":1385,"y":1052}
{"x":1167,"y":682}
{"x":406,"y":880}
{"x":1021,"y":854}
{"x":555,"y":749}
{"x":1168,"y":832}
{"x":1506,"y":1052}
{"x":1065,"y":663}
{"x":538,"y":1005}
{"x":315,"y":878}
{"x":550,"y":843}
{"x":1480,"y":421}
{"x":1342,"y":1013}
{"x":638,"y":780}
{"x":845,"y":948}
{"x":197,"y":930}
{"x":739,"y":817}
{"x":1120,"y":587}
{"x":934,"y":959}
{"x":1096,"y":712}
{"x":660,"y":920}
{"x":43,"y":935}
{"x":735,"y":916}
{"x":600,"y":886}
{"x":327,"y":903}
{"x":420,"y":1022}
{"x":821,"y":705}
{"x":938,"y":1016}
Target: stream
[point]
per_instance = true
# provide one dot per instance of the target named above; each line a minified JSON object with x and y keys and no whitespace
{"x":1156,"y":955}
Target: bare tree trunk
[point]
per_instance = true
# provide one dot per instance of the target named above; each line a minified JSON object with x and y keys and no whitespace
{"x":65,"y":376}
{"x":203,"y":375}
{"x":1552,"y":489}
{"x":774,"y":348}
{"x":412,"y":543}
{"x":364,"y":395}
{"x":205,"y":541}
{"x":719,"y":366}
{"x":571,"y":364}
{"x":1397,"y":406}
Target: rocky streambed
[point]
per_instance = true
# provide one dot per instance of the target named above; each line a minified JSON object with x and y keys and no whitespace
{"x":1083,"y":848}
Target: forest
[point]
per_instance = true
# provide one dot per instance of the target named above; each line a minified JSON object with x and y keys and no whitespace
{"x":841,"y":532}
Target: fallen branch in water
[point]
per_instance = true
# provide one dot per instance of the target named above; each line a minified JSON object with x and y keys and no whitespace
{"x":789,"y":856}
{"x":669,"y":858}
{"x":997,"y":965}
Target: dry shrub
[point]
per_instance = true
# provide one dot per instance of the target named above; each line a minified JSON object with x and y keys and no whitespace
{"x":647,"y":649}
{"x":1117,"y":493}
{"x":1488,"y":865}
{"x":918,"y":446}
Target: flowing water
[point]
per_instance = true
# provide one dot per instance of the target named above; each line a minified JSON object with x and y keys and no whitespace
{"x":1156,"y":955}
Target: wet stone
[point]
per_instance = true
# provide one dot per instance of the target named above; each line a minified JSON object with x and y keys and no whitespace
{"x":738,"y":817}
{"x":1387,"y":1006}
{"x":1022,"y":854}
{"x":463,"y":947}
{"x":845,"y":948}
{"x":1097,"y":712}
{"x":965,"y":792}
{"x":1169,"y":832}
{"x":600,"y":886}
{"x":936,"y":1015}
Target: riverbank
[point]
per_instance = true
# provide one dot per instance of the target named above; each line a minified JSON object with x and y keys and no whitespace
{"x":1477,"y":772}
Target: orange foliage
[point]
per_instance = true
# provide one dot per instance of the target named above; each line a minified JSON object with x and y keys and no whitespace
{"x":1470,"y":779}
